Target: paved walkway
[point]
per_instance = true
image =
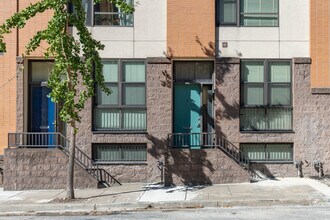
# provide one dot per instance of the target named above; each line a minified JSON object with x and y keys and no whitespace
{"x":288,"y":191}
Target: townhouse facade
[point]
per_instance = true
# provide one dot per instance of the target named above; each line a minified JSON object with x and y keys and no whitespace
{"x":204,"y":92}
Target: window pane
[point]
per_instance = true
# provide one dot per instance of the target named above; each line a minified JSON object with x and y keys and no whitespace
{"x":253,"y":119}
{"x":254,"y":12}
{"x":119,"y":152}
{"x":253,"y":94}
{"x":254,"y":151}
{"x":268,"y":152}
{"x":252,"y":71}
{"x":134,"y":71}
{"x":204,"y":70}
{"x":279,"y":71}
{"x":134,"y":153}
{"x":40,"y":70}
{"x":228,"y":12}
{"x":279,"y":119}
{"x":134,"y":119}
{"x":106,"y":119}
{"x":269,"y":6}
{"x":280,"y":95}
{"x":104,"y":99}
{"x":110,"y":71}
{"x":184,"y":71}
{"x":106,"y":13}
{"x":279,"y":152}
{"x":250,"y":6}
{"x":134,"y":94}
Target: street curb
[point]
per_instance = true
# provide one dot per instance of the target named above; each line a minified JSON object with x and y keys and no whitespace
{"x":64,"y":208}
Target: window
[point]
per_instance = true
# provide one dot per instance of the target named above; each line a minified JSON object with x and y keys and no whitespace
{"x":125,"y":108}
{"x":266,"y":95}
{"x":105,"y":13}
{"x":278,"y":152}
{"x":119,"y":153}
{"x":253,"y":13}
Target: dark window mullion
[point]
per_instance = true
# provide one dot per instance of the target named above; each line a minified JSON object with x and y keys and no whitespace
{"x":121,"y":103}
{"x":238,"y":13}
{"x":266,"y":88}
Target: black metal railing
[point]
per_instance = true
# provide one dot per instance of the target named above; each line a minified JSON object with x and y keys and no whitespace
{"x":92,"y":168}
{"x":192,"y":140}
{"x":232,"y":151}
{"x":37,"y":140}
{"x":56,"y":139}
{"x":208,"y":140}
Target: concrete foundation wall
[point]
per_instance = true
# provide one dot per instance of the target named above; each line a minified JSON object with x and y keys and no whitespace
{"x":26,"y":169}
{"x":311,"y":129}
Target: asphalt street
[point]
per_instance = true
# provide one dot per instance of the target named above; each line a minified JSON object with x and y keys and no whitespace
{"x":242,"y":213}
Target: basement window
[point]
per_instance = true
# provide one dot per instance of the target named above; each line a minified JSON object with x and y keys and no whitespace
{"x":274,"y":152}
{"x":119,"y":153}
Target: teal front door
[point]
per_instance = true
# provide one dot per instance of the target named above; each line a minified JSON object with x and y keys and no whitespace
{"x":43,"y":116}
{"x":187,"y":115}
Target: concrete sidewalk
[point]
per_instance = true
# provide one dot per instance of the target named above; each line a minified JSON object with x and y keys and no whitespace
{"x":288,"y":191}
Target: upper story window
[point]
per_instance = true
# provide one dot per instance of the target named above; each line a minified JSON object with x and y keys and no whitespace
{"x":266,"y":95}
{"x":249,"y":13}
{"x":125,"y":108}
{"x":106,"y":13}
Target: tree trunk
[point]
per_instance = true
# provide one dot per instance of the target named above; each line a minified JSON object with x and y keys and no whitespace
{"x":70,"y":173}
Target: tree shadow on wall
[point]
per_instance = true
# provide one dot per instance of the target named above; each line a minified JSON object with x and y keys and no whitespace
{"x":209,"y":50}
{"x":189,"y":167}
{"x":226,"y":109}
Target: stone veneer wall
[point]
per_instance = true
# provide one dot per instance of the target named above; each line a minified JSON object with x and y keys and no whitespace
{"x":1,"y":171}
{"x":311,"y":116}
{"x":159,"y":102}
{"x":181,"y":166}
{"x":27,"y":168}
{"x":200,"y":167}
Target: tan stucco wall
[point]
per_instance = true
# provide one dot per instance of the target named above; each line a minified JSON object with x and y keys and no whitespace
{"x":319,"y":45}
{"x":7,"y":78}
{"x":190,"y":28}
{"x":8,"y":63}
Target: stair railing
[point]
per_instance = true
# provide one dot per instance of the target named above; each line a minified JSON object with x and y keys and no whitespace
{"x":234,"y":152}
{"x":56,"y":139}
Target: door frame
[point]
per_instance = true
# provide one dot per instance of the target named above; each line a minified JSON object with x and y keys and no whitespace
{"x":30,"y":84}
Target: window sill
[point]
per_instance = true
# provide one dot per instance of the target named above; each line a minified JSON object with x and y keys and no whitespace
{"x":271,"y":162}
{"x":122,"y":163}
{"x":100,"y":25}
{"x":267,"y":132}
{"x":119,"y":132}
{"x":239,"y":26}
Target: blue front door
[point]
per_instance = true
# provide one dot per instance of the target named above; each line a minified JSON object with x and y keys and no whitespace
{"x":43,"y":113}
{"x":187,"y":115}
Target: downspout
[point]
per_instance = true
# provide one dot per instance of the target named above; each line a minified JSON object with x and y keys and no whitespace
{"x":17,"y":30}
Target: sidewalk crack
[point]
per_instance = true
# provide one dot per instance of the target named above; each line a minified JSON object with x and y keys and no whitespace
{"x":229,"y":191}
{"x":185,"y":195}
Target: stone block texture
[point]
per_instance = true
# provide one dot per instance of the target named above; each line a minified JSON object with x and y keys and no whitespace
{"x":159,"y":116}
{"x":202,"y":167}
{"x":28,"y":169}
{"x":311,"y":128}
{"x":181,"y":167}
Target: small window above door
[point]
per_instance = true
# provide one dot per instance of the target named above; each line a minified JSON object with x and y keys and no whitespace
{"x":193,"y":72}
